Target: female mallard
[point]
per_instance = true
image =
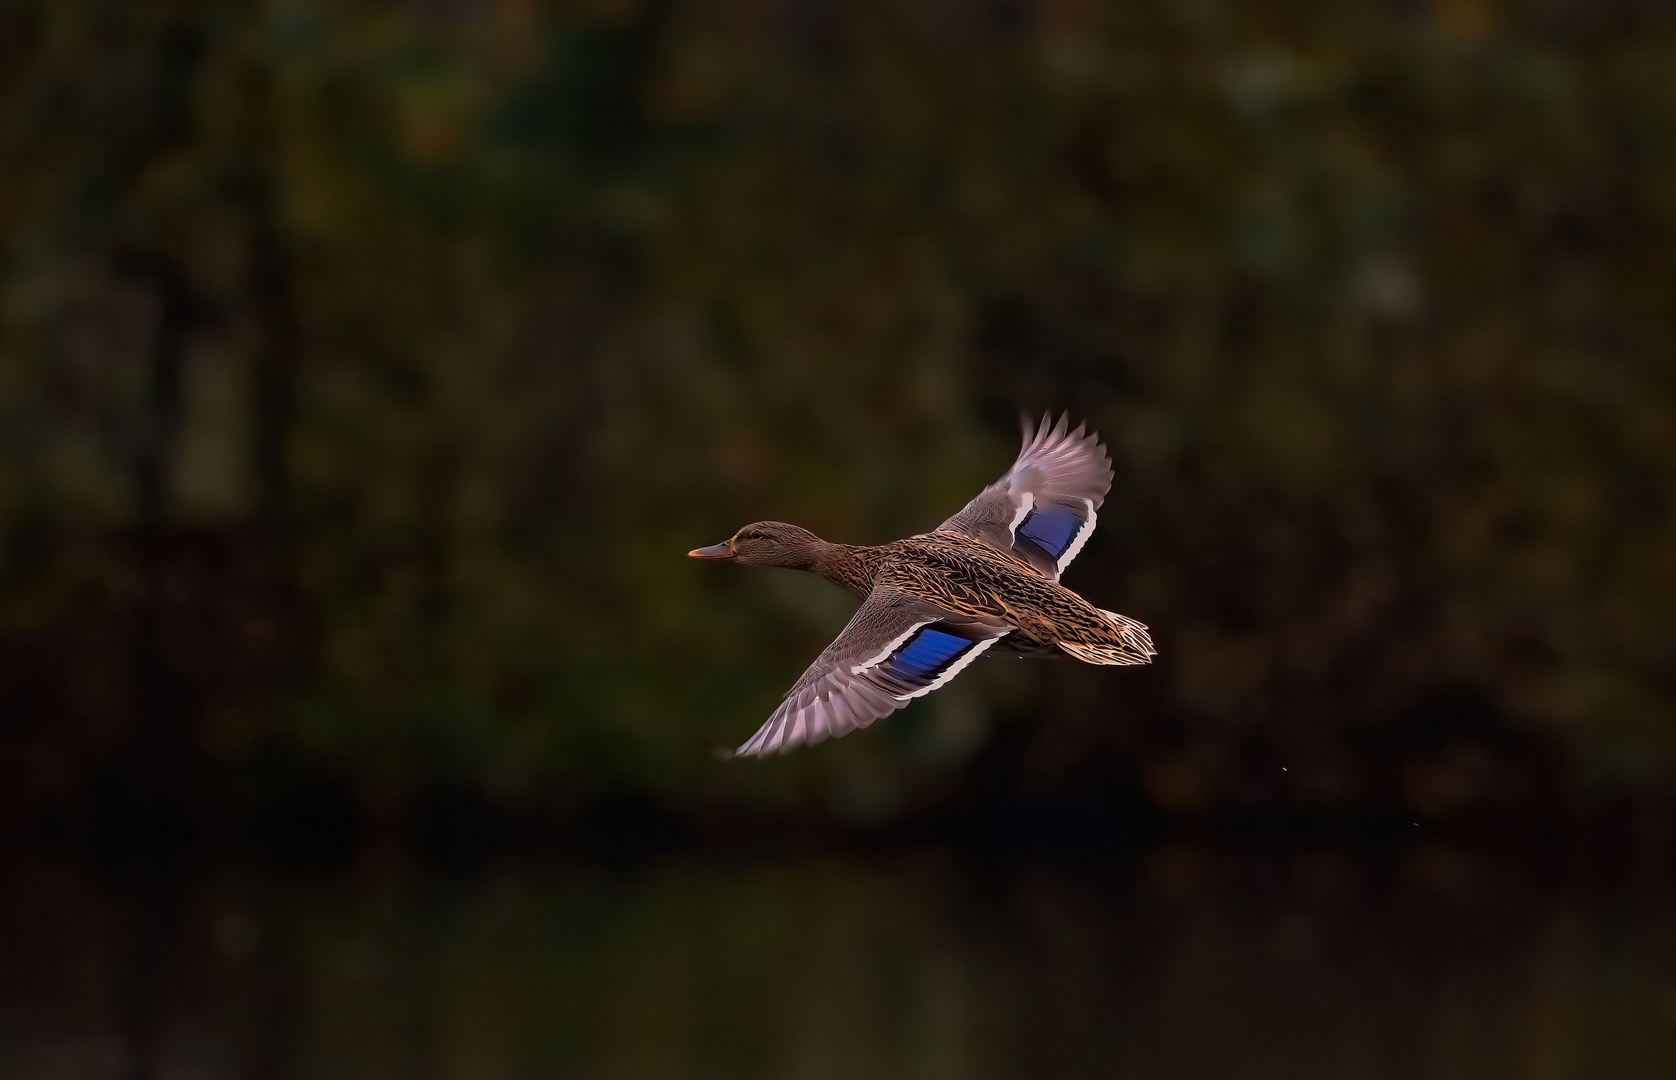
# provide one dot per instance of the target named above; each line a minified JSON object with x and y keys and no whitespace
{"x":931,"y":604}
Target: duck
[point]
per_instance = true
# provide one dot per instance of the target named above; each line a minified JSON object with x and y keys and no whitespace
{"x":933,"y":603}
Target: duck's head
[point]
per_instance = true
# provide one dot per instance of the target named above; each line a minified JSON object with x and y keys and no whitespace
{"x":766,"y":543}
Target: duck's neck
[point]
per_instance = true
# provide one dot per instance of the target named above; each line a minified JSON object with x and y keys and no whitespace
{"x":847,"y":565}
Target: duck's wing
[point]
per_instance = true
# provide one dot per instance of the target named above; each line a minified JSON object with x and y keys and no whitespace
{"x":897,"y":647}
{"x":1044,"y":509}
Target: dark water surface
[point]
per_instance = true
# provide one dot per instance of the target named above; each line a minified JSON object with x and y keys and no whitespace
{"x":1429,"y":962}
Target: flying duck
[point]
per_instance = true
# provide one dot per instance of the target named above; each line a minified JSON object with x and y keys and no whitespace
{"x":933,"y":603}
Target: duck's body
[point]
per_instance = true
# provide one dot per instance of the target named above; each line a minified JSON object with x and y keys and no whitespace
{"x":973,"y":579}
{"x":932,"y":603}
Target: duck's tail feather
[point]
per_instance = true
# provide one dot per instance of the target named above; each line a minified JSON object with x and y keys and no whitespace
{"x":1134,"y":644}
{"x":1102,"y":654}
{"x":1133,"y":633}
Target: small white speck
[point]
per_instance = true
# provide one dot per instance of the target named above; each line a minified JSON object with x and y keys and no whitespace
{"x":1283,"y":768}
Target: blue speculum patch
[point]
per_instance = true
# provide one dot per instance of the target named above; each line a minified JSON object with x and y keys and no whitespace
{"x":928,"y":652}
{"x":1051,"y":529}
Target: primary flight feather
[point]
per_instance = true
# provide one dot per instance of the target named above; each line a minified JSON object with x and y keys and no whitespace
{"x":933,"y":603}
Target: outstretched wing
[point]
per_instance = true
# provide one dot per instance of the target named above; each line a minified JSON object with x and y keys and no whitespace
{"x":897,"y":647}
{"x":1044,"y":509}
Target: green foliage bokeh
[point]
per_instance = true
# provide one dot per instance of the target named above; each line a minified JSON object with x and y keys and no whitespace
{"x":492,"y":310}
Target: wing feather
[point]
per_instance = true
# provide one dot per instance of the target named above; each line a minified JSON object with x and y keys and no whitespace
{"x":1045,"y":508}
{"x":896,"y":648}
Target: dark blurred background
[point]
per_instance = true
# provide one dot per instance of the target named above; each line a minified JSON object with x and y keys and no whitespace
{"x":366,"y":369}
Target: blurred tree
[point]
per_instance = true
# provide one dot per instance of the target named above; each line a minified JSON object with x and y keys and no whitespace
{"x":373,"y":363}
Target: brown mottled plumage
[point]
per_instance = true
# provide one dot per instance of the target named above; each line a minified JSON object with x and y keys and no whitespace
{"x":933,"y":603}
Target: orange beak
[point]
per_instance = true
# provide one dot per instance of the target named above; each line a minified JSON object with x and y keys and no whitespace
{"x":723,"y":550}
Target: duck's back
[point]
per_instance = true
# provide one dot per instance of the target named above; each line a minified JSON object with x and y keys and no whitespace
{"x":972,"y":578}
